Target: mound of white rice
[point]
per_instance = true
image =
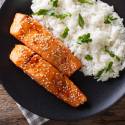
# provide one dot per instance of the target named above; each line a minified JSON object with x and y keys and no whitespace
{"x":104,"y":55}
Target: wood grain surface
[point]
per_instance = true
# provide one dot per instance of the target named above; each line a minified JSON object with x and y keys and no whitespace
{"x":10,"y":114}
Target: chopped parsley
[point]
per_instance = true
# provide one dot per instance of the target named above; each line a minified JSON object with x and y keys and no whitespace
{"x":84,"y":38}
{"x":109,"y":19}
{"x":106,"y":69}
{"x":81,"y":21}
{"x":65,"y":32}
{"x":88,"y":57}
{"x":86,"y":1}
{"x":54,"y":3}
{"x":112,"y":54}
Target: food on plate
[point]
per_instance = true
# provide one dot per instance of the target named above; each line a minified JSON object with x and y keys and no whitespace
{"x":39,"y":39}
{"x":47,"y":76}
{"x":90,"y":29}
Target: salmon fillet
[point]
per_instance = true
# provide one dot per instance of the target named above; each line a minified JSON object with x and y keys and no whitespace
{"x":47,"y":76}
{"x":35,"y":36}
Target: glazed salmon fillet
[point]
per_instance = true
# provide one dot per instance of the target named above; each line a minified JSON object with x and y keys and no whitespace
{"x":47,"y":76}
{"x":35,"y":36}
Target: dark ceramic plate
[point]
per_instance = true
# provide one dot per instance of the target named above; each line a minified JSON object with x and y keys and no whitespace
{"x":31,"y":96}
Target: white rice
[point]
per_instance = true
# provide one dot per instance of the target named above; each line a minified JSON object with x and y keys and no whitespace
{"x":110,"y":35}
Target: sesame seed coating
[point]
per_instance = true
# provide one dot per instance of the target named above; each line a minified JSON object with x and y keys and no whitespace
{"x":39,"y":39}
{"x":47,"y":76}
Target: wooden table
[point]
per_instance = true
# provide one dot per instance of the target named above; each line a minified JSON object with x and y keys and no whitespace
{"x":10,"y":114}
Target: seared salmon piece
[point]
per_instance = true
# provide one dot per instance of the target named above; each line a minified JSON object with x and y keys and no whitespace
{"x":47,"y":76}
{"x":35,"y":36}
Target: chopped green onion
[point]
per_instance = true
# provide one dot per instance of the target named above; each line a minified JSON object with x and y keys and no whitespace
{"x":109,"y":67}
{"x":42,"y":12}
{"x":106,"y":69}
{"x":112,"y":54}
{"x":65,"y":32}
{"x":62,"y":16}
{"x":54,"y":3}
{"x":88,"y":57}
{"x":81,"y":21}
{"x":109,"y":19}
{"x":52,"y":13}
{"x":86,"y":1}
{"x":84,"y":38}
{"x":100,"y":73}
{"x":118,"y":58}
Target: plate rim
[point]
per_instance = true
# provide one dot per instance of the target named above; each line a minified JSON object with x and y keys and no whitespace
{"x":113,"y":103}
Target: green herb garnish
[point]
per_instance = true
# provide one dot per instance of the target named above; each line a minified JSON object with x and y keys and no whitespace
{"x":42,"y":12}
{"x":109,"y":19}
{"x":105,"y":69}
{"x":88,"y":57}
{"x":81,"y":21}
{"x":84,"y":38}
{"x":109,"y":67}
{"x":52,"y":13}
{"x":86,"y":1}
{"x":100,"y":73}
{"x":62,"y":16}
{"x":54,"y":3}
{"x":65,"y":32}
{"x":112,"y":54}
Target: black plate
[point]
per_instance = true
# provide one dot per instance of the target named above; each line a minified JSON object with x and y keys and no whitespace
{"x":31,"y":96}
